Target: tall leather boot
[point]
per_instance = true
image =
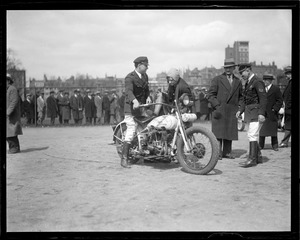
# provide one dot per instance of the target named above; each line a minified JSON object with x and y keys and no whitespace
{"x":125,"y":152}
{"x":261,"y":142}
{"x":259,"y":156}
{"x":252,"y":159}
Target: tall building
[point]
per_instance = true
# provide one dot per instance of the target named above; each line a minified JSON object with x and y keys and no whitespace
{"x":239,"y":52}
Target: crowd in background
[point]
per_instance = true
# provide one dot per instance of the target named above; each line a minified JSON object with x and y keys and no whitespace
{"x":91,"y":108}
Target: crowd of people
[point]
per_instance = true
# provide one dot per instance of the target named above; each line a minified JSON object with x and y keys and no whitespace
{"x":94,"y":107}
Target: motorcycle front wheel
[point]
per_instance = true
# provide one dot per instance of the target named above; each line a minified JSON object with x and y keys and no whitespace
{"x":204,"y":154}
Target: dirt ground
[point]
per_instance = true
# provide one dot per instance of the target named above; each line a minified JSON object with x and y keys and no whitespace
{"x":70,"y":179}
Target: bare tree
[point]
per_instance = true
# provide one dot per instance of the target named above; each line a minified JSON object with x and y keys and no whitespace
{"x":12,"y":63}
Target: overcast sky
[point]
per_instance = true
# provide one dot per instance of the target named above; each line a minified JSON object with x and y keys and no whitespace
{"x":99,"y":42}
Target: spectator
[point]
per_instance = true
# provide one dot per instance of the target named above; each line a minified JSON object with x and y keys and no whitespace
{"x":88,"y":107}
{"x":106,"y":107}
{"x":196,"y":94}
{"x":121,"y":105}
{"x":76,"y":104}
{"x":59,"y":100}
{"x":94,"y":110}
{"x":113,"y":108}
{"x":254,"y":105}
{"x":28,"y":106}
{"x":41,"y":108}
{"x":224,"y":94}
{"x":65,"y":108}
{"x":274,"y":103}
{"x":204,"y":109}
{"x":13,"y":117}
{"x":52,"y":108}
{"x":98,"y":104}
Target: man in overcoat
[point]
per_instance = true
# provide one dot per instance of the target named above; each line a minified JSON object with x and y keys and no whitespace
{"x":13,"y":117}
{"x":59,"y":100}
{"x":98,"y":104}
{"x":88,"y":103}
{"x":66,"y":109}
{"x":41,"y":108}
{"x":28,"y":106}
{"x":254,"y":105}
{"x":287,"y":99}
{"x":106,"y":107}
{"x":136,"y":93}
{"x":52,"y":108}
{"x":274,"y":103}
{"x":225,"y":94}
{"x":76,"y":104}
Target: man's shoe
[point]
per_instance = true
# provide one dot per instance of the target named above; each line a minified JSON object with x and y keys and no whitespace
{"x":230,"y":156}
{"x":124,"y":163}
{"x":283,"y":145}
{"x":249,"y":163}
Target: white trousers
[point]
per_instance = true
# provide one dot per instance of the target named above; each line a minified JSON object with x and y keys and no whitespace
{"x":253,"y":130}
{"x":131,"y":128}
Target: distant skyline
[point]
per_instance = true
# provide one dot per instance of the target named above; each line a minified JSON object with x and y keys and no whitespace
{"x":62,"y":43}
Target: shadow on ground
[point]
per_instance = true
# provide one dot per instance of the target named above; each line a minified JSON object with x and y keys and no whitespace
{"x":33,"y":149}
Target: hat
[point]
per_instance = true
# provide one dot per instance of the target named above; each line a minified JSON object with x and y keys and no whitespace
{"x":244,"y":66}
{"x":196,"y":88}
{"x":268,"y":76}
{"x":97,"y":92}
{"x":28,"y":94}
{"x":88,"y":91}
{"x":9,"y":78}
{"x":229,"y":62}
{"x":75,"y":91}
{"x":66,"y":92}
{"x":143,"y":60}
{"x":288,"y":69}
{"x":51,"y":91}
{"x":61,"y":90}
{"x":78,"y":90}
{"x":203,"y":88}
{"x":173,"y":73}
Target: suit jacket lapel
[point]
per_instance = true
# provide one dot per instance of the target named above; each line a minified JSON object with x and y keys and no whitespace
{"x":225,"y":82}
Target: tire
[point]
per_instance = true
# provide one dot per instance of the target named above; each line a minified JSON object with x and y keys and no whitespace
{"x":120,"y":136}
{"x":205,"y":153}
{"x":241,"y":125}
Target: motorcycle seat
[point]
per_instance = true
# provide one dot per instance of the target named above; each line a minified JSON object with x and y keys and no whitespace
{"x":143,"y":119}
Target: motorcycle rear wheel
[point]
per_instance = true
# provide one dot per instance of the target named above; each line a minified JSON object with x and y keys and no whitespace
{"x":204,"y":155}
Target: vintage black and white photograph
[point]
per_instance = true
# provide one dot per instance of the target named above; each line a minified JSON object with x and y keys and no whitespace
{"x":145,"y":120}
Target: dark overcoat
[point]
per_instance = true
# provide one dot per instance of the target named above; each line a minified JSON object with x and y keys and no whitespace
{"x":65,"y":108}
{"x":105,"y":103}
{"x":28,"y":108}
{"x":226,"y":98}
{"x":52,"y":108}
{"x":121,"y":104}
{"x":13,"y":112}
{"x":135,"y":88}
{"x":88,"y":106}
{"x":76,"y":104}
{"x":203,"y":103}
{"x":287,"y":98}
{"x":274,"y":103}
{"x":254,"y":100}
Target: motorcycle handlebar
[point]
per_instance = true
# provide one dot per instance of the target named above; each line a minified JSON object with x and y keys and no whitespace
{"x":151,"y":104}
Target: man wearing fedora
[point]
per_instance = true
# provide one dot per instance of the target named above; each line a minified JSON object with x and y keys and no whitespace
{"x":274,"y":103}
{"x":254,"y":105}
{"x":287,"y":99}
{"x":224,"y":95}
{"x":13,"y":116}
{"x":136,"y":93}
{"x":41,"y":108}
{"x":52,"y":108}
{"x":59,"y":99}
{"x":76,"y":104}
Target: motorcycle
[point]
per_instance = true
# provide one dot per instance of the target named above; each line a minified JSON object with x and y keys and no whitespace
{"x":171,"y":138}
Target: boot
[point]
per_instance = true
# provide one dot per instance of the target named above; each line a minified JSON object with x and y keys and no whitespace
{"x":259,"y":156}
{"x":252,"y":158}
{"x":125,"y":152}
{"x":261,"y":142}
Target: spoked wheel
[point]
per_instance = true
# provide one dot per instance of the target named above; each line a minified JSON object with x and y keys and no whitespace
{"x":120,"y":136}
{"x":204,"y":154}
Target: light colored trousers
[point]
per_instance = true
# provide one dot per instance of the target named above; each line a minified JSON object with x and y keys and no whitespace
{"x":253,"y":130}
{"x":131,"y":128}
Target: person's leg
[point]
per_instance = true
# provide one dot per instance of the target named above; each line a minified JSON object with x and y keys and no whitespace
{"x":220,"y":148}
{"x":286,"y":138}
{"x":274,"y":142}
{"x":227,"y":148}
{"x":261,"y":142}
{"x":13,"y":144}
